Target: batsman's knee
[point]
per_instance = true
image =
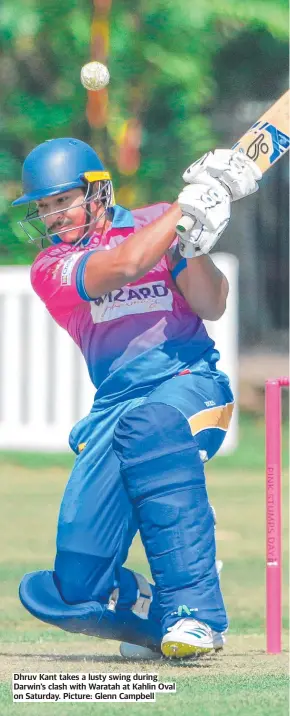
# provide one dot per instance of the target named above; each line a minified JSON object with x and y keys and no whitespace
{"x":39,"y":594}
{"x":81,"y":577}
{"x":158,"y":434}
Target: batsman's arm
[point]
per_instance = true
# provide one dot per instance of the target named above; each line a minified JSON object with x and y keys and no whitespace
{"x":106,"y":271}
{"x":204,"y":287}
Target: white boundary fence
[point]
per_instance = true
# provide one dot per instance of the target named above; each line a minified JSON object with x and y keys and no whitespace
{"x":44,"y":384}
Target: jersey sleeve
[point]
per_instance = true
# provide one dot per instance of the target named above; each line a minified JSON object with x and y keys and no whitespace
{"x":54,"y":279}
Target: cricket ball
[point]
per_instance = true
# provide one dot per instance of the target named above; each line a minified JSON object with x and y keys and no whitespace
{"x":94,"y":76}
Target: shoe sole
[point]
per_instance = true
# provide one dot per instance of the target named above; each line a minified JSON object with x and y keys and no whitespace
{"x":218,"y":648}
{"x":140,"y":653}
{"x":179,"y":650}
{"x":131,"y":652}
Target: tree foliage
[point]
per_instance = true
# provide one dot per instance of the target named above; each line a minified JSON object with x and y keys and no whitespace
{"x":172,"y":64}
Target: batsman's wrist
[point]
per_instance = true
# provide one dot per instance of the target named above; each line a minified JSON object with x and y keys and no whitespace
{"x":187,"y":249}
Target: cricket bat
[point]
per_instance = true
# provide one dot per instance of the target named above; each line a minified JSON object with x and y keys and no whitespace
{"x":265,"y":142}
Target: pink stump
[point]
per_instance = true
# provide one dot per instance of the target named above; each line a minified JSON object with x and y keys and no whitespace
{"x":273,"y":514}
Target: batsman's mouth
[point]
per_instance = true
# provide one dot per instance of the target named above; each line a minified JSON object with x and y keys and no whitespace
{"x":60,"y":226}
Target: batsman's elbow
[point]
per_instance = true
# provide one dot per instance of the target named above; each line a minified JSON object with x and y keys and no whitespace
{"x":217,"y":308}
{"x":215,"y":314}
{"x":210,"y":305}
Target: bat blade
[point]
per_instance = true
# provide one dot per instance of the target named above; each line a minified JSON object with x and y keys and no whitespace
{"x":265,"y":142}
{"x":268,"y":138}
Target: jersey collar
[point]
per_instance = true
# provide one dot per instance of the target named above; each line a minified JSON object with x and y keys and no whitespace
{"x":121,"y":218}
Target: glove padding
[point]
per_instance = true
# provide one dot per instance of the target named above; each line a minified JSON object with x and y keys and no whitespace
{"x":233,"y":169}
{"x":206,"y":212}
{"x":196,"y":241}
{"x":209,"y":202}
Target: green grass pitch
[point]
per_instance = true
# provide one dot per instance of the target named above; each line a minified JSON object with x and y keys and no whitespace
{"x":242,"y":680}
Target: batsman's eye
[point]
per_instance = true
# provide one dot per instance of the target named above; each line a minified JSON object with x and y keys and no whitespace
{"x":41,"y":210}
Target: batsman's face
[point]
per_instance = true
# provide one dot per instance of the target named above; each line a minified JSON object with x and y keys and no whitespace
{"x":65,"y":214}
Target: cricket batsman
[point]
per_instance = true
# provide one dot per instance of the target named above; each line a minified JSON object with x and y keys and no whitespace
{"x":133,"y":292}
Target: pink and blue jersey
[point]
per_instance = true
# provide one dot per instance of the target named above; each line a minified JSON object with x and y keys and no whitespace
{"x":132,"y":338}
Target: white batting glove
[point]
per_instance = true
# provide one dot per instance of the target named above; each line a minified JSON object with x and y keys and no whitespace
{"x":209,"y":202}
{"x":233,"y":169}
{"x":194,"y":242}
{"x":206,"y":212}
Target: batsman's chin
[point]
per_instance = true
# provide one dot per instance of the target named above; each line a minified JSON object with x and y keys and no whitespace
{"x":69,"y":237}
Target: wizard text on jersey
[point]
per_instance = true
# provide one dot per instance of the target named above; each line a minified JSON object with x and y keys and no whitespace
{"x":143,"y":298}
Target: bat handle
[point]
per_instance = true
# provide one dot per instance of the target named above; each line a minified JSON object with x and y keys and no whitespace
{"x":185,"y":224}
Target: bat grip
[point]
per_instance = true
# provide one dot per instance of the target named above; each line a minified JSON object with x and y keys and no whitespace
{"x":185,"y":224}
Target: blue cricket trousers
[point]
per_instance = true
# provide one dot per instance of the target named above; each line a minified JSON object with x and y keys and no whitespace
{"x":139,"y":466}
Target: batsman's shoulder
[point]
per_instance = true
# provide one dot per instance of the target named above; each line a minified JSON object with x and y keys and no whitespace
{"x":145,"y":214}
{"x":46,"y":262}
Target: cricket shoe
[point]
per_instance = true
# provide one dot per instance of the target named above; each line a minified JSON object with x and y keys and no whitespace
{"x":189,"y":637}
{"x":143,"y":653}
{"x":135,"y":652}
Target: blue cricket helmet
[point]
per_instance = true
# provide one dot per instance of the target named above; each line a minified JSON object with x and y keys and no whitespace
{"x":59,"y":165}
